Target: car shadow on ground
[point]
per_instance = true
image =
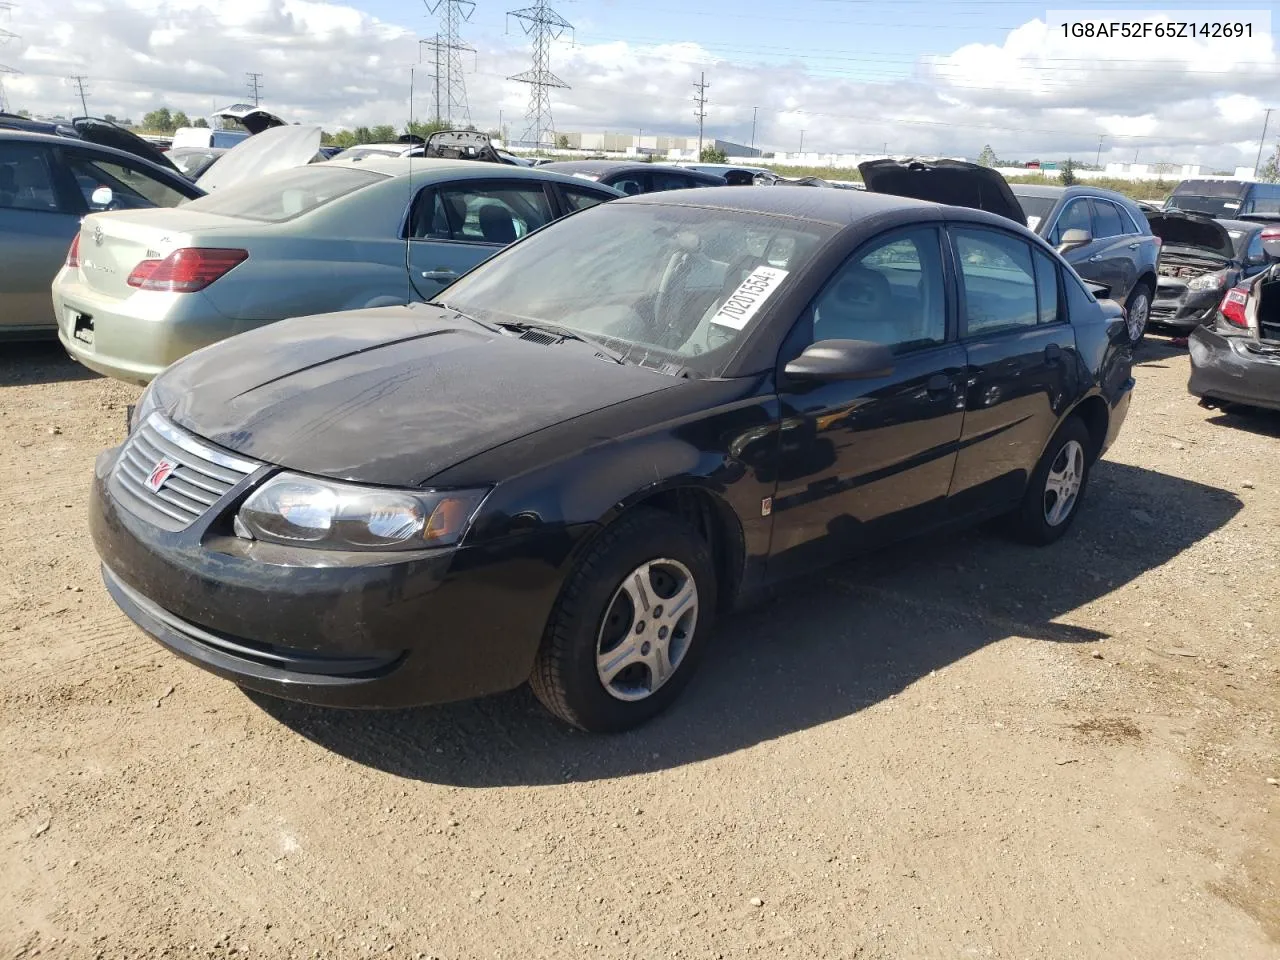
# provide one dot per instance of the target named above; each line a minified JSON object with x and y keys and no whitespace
{"x":819,"y":650}
{"x":1154,"y":351}
{"x":1265,"y":423}
{"x":28,"y":362}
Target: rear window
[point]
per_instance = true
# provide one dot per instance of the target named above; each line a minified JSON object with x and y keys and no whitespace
{"x":287,"y":194}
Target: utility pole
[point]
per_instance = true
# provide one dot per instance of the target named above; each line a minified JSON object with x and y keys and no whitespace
{"x":447,"y":41}
{"x":700,"y":107}
{"x":802,"y":141}
{"x":254,"y":81}
{"x":79,"y":80}
{"x":755,"y":112}
{"x":1261,"y":140}
{"x":5,"y":37}
{"x":1097,"y":161}
{"x":544,"y":25}
{"x":435,"y":44}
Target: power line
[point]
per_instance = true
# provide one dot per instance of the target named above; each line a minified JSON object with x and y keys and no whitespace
{"x":254,"y":81}
{"x":451,"y":99}
{"x":544,"y":25}
{"x":78,"y":80}
{"x":700,"y":107}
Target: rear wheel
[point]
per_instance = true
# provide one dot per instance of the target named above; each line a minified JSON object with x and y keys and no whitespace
{"x":630,"y":624}
{"x":1138,"y":313}
{"x":1057,"y":486}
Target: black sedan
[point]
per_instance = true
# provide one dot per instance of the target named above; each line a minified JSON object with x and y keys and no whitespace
{"x":632,"y":177}
{"x":587,"y":448}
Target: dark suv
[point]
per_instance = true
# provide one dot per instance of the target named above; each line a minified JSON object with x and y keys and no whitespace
{"x":1104,"y":235}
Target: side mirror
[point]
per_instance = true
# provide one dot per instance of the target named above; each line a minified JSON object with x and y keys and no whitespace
{"x":841,"y":360}
{"x":1100,"y":291}
{"x":1073,"y":239}
{"x":101,"y":197}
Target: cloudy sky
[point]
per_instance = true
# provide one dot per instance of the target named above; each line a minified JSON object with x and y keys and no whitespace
{"x":922,"y":76}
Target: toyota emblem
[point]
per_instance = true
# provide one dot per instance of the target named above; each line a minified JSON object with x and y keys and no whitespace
{"x":97,"y":236}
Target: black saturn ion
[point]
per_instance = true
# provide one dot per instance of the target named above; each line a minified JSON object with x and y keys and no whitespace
{"x":566,"y":466}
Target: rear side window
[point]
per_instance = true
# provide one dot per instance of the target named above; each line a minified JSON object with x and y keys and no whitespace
{"x":481,"y":212}
{"x":576,"y":199}
{"x":26,"y":180}
{"x":1130,"y":222}
{"x":630,"y":185}
{"x":1263,"y":198}
{"x":290,"y":193}
{"x":999,"y":281}
{"x":671,"y":181}
{"x":1046,"y":286}
{"x":1106,"y":220}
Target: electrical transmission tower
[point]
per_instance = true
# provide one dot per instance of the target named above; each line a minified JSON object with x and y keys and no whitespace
{"x":254,"y":83}
{"x":447,"y":45}
{"x":78,"y":80}
{"x":700,"y":107}
{"x":5,"y":71}
{"x":544,"y":25}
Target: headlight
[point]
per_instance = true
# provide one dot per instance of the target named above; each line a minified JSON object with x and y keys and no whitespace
{"x":1208,"y":281}
{"x":145,"y":406}
{"x":310,"y":512}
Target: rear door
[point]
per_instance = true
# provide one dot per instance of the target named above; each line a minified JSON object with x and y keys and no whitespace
{"x":39,"y":216}
{"x":454,"y":226}
{"x":1022,"y":363}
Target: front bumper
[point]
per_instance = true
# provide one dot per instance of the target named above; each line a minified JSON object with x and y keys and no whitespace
{"x":135,"y":338}
{"x":1184,"y":309}
{"x":1234,"y":368}
{"x":362,"y":631}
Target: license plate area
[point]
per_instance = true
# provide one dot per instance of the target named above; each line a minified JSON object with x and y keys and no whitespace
{"x":81,"y":326}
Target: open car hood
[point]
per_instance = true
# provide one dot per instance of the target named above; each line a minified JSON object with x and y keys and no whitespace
{"x":1178,"y":229}
{"x":107,"y":134}
{"x":254,"y":119}
{"x":279,"y":148}
{"x":955,"y":182}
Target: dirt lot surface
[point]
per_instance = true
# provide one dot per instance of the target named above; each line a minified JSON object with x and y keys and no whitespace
{"x":961,"y":748}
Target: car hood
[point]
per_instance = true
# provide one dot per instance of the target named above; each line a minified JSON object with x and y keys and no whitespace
{"x":254,"y":119}
{"x":1177,"y":229}
{"x":391,"y":396}
{"x":279,"y":148}
{"x":955,"y":182}
{"x":107,"y":134}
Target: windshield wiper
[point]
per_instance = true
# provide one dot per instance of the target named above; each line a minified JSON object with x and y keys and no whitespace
{"x":465,"y":316}
{"x":564,"y":333}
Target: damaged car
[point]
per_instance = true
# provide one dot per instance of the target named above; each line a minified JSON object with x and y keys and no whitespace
{"x":1200,"y":258}
{"x":1236,"y":360}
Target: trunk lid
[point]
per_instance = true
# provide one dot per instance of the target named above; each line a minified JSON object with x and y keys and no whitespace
{"x":112,"y":244}
{"x":1192,"y":231}
{"x":279,"y":148}
{"x":254,"y":119}
{"x":954,"y":182}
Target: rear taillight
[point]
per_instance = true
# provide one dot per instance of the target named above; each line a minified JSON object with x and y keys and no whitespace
{"x":1270,"y":233}
{"x":1233,"y":304}
{"x":186,"y":270}
{"x":73,"y":255}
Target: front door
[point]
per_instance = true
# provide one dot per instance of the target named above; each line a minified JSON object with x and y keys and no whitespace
{"x":862,"y":461}
{"x":1022,"y":364}
{"x":38,"y":221}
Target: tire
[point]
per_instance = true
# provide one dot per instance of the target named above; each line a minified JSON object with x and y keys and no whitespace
{"x":596,"y":615}
{"x":1038,"y":521}
{"x":1138,"y":313}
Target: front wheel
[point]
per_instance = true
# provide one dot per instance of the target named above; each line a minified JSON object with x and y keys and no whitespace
{"x":1137,"y":314}
{"x":630,"y":625}
{"x":1057,"y":486}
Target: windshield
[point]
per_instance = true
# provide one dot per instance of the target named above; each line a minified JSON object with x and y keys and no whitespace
{"x":191,"y":162}
{"x":1036,"y":208}
{"x":1217,"y":207}
{"x":284,"y":195}
{"x":659,"y":284}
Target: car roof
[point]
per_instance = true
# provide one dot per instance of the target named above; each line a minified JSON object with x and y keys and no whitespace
{"x":613,"y":166}
{"x":55,"y":140}
{"x":430,"y":168}
{"x":1075,"y":190}
{"x":839,"y":207}
{"x":1248,"y":226}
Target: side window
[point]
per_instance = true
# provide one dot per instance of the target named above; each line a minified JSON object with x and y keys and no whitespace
{"x":26,"y":179}
{"x":1129,"y":221}
{"x":630,"y":185}
{"x":670,"y":181}
{"x":1106,"y":220}
{"x":892,"y":292}
{"x":1075,"y":216}
{"x":1046,"y":286}
{"x":998,"y":280}
{"x":1265,"y":199}
{"x":429,"y":220}
{"x":580,"y":199}
{"x":1255,"y":253}
{"x":494,"y":212}
{"x":131,"y":188}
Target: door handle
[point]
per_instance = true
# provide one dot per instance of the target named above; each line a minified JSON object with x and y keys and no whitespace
{"x":1052,"y":353}
{"x":1095,"y":258}
{"x":1134,"y":246}
{"x":939,"y":384}
{"x":438,"y":274}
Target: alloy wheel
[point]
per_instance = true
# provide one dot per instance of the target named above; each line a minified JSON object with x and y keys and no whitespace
{"x":1138,"y":316}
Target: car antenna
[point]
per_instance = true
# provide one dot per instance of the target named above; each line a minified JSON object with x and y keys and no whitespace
{"x":408,"y":229}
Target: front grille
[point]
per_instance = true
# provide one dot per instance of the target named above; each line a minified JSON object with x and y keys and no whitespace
{"x":199,"y":477}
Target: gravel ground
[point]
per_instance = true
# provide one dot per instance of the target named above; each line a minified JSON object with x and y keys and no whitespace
{"x":959,"y":748}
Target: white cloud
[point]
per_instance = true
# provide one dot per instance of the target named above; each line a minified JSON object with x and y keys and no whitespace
{"x":1035,"y":94}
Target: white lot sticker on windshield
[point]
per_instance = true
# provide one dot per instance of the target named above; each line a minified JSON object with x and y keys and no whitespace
{"x":1232,"y":206}
{"x":587,"y":176}
{"x":751,"y":295}
{"x":1033,"y":222}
